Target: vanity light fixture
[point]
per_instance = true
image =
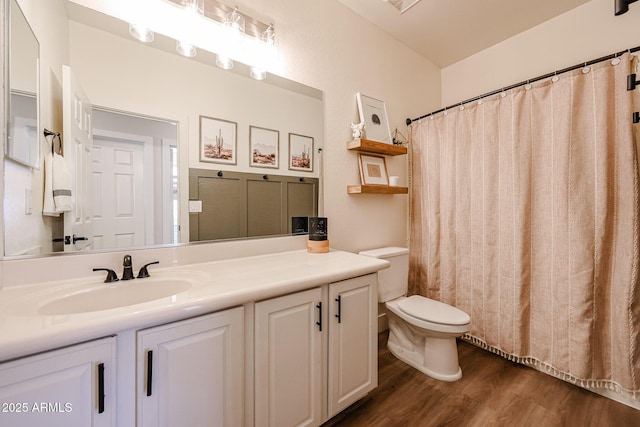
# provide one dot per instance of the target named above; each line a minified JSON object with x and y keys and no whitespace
{"x":224,"y":62}
{"x":186,"y":49}
{"x":215,"y":27}
{"x":235,"y":21}
{"x":193,"y":6}
{"x":258,"y":72}
{"x":141,"y":33}
{"x":234,"y":25}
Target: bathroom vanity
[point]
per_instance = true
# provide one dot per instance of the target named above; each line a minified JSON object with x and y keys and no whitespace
{"x":277,"y":339}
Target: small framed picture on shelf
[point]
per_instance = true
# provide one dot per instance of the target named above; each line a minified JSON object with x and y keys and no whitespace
{"x":373,"y":170}
{"x":263,"y":147}
{"x":217,"y":140}
{"x":300,"y":153}
{"x":373,"y":113}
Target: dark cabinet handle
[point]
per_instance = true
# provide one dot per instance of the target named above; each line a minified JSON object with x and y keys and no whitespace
{"x":76,"y":238}
{"x":101,"y":388}
{"x":339,"y":315}
{"x":319,"y":322}
{"x":149,"y":371}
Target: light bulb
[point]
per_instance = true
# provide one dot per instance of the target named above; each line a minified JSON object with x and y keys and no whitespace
{"x":141,"y":33}
{"x":224,"y":62}
{"x":257,"y":73}
{"x":186,"y":49}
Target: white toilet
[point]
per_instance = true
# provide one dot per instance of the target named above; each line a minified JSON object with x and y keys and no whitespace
{"x":422,"y":331}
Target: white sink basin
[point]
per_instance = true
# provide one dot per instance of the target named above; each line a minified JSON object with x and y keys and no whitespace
{"x":118,"y":294}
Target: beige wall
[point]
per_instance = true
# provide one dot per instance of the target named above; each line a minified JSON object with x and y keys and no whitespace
{"x":325,"y":45}
{"x":587,"y":32}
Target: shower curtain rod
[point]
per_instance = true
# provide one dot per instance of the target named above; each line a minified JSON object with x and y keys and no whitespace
{"x":546,"y":76}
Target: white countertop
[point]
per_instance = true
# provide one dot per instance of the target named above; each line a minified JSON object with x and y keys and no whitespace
{"x":220,"y":285}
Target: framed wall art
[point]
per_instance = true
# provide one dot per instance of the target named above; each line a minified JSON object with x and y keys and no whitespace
{"x":300,"y":152}
{"x":263,"y":144}
{"x":373,"y":170}
{"x":218,"y":140}
{"x":373,"y":113}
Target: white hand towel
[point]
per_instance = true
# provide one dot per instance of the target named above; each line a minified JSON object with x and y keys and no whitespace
{"x":61,"y":184}
{"x":49,"y":207}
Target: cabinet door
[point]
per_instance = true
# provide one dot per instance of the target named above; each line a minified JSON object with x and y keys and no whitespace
{"x":288,"y":359}
{"x":71,"y":387}
{"x":190,"y":373}
{"x":353,"y":344}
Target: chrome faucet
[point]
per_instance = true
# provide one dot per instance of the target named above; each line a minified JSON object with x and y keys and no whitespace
{"x":127,"y":272}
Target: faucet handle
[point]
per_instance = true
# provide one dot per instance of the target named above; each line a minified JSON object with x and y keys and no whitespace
{"x":111,"y":275}
{"x":143,"y":270}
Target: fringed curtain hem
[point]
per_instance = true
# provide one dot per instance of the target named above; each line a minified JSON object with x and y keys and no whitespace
{"x":554,"y":372}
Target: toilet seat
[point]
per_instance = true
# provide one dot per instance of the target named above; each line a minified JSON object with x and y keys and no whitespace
{"x":433,"y":311}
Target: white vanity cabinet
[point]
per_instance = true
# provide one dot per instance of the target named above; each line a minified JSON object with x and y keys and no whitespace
{"x":69,"y":387}
{"x":288,"y":359}
{"x":190,"y":373}
{"x":353,"y":341}
{"x":315,"y":352}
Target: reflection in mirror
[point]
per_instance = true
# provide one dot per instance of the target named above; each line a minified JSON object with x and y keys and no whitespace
{"x":135,"y":177}
{"x":139,"y":83}
{"x":22,"y":141}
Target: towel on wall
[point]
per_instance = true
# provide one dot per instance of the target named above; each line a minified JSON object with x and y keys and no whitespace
{"x":48,"y":207}
{"x":61,"y":184}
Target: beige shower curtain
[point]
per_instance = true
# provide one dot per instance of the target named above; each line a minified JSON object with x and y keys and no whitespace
{"x":525,"y":215}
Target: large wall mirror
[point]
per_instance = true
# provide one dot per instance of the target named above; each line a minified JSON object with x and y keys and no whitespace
{"x":139,"y":139}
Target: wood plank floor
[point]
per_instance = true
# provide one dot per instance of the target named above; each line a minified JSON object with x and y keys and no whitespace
{"x":492,"y":392}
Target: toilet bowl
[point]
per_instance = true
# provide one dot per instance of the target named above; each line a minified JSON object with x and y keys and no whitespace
{"x":422,"y":331}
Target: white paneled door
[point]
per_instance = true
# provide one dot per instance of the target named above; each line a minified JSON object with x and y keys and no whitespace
{"x":118,"y":198}
{"x":77,"y":145}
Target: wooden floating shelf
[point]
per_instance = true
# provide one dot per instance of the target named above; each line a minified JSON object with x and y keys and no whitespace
{"x":376,"y":189}
{"x":376,"y":147}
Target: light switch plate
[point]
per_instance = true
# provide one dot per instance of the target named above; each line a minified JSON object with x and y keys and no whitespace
{"x":195,"y":206}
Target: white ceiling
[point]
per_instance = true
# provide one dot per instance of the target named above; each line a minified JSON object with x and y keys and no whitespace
{"x":446,"y":31}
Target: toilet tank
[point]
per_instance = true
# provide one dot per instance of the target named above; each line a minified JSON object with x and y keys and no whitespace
{"x":392,"y":281}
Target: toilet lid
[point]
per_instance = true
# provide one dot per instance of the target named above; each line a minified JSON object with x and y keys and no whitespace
{"x":433,"y":311}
